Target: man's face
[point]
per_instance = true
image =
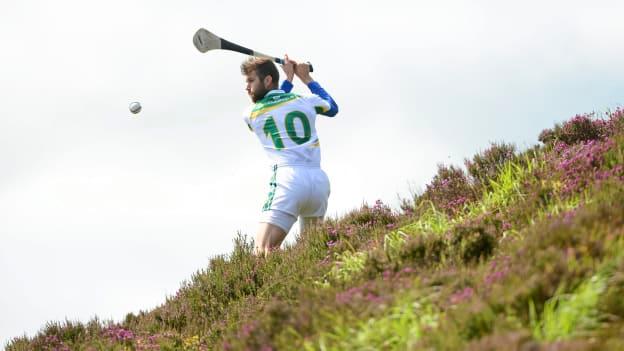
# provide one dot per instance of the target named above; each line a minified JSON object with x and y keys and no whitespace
{"x":256,"y":88}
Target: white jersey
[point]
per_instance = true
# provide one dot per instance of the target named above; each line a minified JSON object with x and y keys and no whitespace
{"x":285,"y":123}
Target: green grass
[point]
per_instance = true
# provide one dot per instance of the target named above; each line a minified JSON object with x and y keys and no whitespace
{"x":346,"y":265}
{"x":397,"y":327}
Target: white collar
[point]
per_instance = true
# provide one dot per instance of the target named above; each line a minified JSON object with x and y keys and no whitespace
{"x":274,"y":91}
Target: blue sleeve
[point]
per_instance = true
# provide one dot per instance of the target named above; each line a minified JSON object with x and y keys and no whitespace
{"x":286,"y":86}
{"x":316,"y":88}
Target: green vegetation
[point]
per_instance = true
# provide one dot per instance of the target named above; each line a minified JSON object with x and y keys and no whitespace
{"x":518,"y":251}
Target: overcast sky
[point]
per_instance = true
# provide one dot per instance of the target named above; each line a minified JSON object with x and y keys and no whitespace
{"x":103,"y":212}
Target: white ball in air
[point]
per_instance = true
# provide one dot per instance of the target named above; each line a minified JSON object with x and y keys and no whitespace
{"x":135,"y":107}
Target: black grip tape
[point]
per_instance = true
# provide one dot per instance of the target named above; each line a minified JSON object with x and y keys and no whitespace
{"x":228,"y":45}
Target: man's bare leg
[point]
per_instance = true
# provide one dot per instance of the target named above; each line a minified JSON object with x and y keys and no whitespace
{"x":269,"y":237}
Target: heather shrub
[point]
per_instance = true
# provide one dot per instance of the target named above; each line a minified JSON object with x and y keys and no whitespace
{"x":397,"y":327}
{"x":423,"y":251}
{"x":511,"y":188}
{"x":119,"y":335}
{"x":407,"y":205}
{"x":430,"y":220}
{"x":418,"y":244}
{"x":62,"y":336}
{"x":434,"y":238}
{"x":521,"y":340}
{"x":68,"y":331}
{"x":323,"y":316}
{"x":473,"y":243}
{"x":393,"y":242}
{"x":202,"y":299}
{"x":564,"y":314}
{"x":485,"y":166}
{"x":368,"y":216}
{"x":236,"y":286}
{"x":347,"y":265}
{"x":614,"y":157}
{"x":478,"y":323}
{"x":581,"y":164}
{"x":476,"y":239}
{"x":578,"y":129}
{"x":564,"y":249}
{"x":615,"y":124}
{"x":410,"y":242}
{"x":450,"y":190}
{"x":612,"y":301}
{"x":558,"y":256}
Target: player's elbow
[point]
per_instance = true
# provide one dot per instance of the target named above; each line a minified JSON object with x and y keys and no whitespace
{"x":333,"y":110}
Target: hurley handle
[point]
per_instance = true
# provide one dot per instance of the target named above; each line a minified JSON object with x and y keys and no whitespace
{"x":281,"y":62}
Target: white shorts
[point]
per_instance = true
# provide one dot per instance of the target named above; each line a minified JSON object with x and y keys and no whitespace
{"x":295,"y":191}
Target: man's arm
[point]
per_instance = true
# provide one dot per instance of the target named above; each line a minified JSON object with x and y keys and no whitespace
{"x":287,"y":86}
{"x":289,"y":69}
{"x":303,"y":72}
{"x":317,"y":89}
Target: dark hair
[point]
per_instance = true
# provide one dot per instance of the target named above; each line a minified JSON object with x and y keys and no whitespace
{"x":263,"y":67}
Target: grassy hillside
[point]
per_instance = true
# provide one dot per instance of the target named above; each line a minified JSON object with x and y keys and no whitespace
{"x":514,"y":251}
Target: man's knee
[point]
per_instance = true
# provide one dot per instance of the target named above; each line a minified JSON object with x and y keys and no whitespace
{"x":280,"y":219}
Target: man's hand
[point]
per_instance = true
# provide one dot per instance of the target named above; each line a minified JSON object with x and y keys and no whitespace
{"x":302,"y":70}
{"x":289,"y":68}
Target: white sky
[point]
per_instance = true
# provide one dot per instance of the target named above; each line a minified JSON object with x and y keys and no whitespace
{"x":104,"y":213}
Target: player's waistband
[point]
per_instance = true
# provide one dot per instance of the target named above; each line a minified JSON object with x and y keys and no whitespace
{"x":298,"y":164}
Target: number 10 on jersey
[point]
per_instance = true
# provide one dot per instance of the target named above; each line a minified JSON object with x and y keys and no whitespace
{"x":271,"y":130}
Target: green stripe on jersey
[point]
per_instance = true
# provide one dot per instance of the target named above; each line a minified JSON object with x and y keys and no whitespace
{"x":274,"y":99}
{"x":320,"y":109}
{"x":271,"y":102}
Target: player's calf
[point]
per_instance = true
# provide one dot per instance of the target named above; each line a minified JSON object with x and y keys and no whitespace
{"x":268,"y":238}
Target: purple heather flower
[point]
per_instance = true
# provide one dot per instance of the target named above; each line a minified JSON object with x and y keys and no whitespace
{"x":498,"y":270}
{"x":570,"y":253}
{"x":370,"y":297}
{"x":462,"y":295}
{"x":119,"y":334}
{"x":247,"y":329}
{"x":350,"y":231}
{"x":347,"y":296}
{"x":569,"y":216}
{"x":408,"y":270}
{"x":506,"y":226}
{"x":387,"y":274}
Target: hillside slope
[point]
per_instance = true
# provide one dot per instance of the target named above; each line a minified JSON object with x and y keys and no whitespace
{"x":515,"y":251}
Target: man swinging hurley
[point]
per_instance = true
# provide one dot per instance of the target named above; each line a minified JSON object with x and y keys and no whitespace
{"x":285,"y":125}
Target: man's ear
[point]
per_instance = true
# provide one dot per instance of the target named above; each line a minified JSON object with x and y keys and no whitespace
{"x":268,"y":82}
